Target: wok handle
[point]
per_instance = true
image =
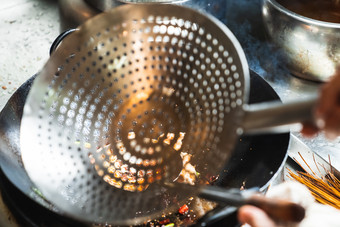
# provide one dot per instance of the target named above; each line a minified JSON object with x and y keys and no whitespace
{"x":60,"y":38}
{"x":271,"y":116}
{"x":280,"y":210}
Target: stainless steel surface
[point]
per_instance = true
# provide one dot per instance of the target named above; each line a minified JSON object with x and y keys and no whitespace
{"x":309,"y":160}
{"x":310,"y":48}
{"x":273,"y":117}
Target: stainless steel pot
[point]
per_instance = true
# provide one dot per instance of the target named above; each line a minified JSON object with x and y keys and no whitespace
{"x":311,"y":48}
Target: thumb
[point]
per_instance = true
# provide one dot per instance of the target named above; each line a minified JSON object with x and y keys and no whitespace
{"x":254,"y":217}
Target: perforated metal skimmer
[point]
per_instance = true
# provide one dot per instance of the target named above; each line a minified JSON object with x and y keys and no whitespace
{"x":114,"y":107}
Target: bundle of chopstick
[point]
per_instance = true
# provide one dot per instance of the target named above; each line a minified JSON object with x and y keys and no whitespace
{"x":324,"y":188}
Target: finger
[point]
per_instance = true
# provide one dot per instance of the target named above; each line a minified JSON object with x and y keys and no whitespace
{"x":329,"y":96}
{"x":332,"y":124}
{"x":326,"y":101}
{"x":309,"y":130}
{"x":255,"y":217}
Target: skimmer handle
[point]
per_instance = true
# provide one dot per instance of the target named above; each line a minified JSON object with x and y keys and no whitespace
{"x":271,"y":116}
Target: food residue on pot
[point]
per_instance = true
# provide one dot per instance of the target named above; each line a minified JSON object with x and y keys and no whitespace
{"x":323,"y":10}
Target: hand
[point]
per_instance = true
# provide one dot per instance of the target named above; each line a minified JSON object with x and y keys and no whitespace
{"x":327,"y":110}
{"x":255,"y":217}
{"x":289,"y":191}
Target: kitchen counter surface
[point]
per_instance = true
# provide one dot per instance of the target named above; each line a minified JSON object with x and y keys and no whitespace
{"x":28,"y":27}
{"x":27,"y":30}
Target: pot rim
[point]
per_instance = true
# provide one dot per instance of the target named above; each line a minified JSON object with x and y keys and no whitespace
{"x":302,"y":18}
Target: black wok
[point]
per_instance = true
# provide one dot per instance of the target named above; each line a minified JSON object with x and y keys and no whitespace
{"x":256,"y":162}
